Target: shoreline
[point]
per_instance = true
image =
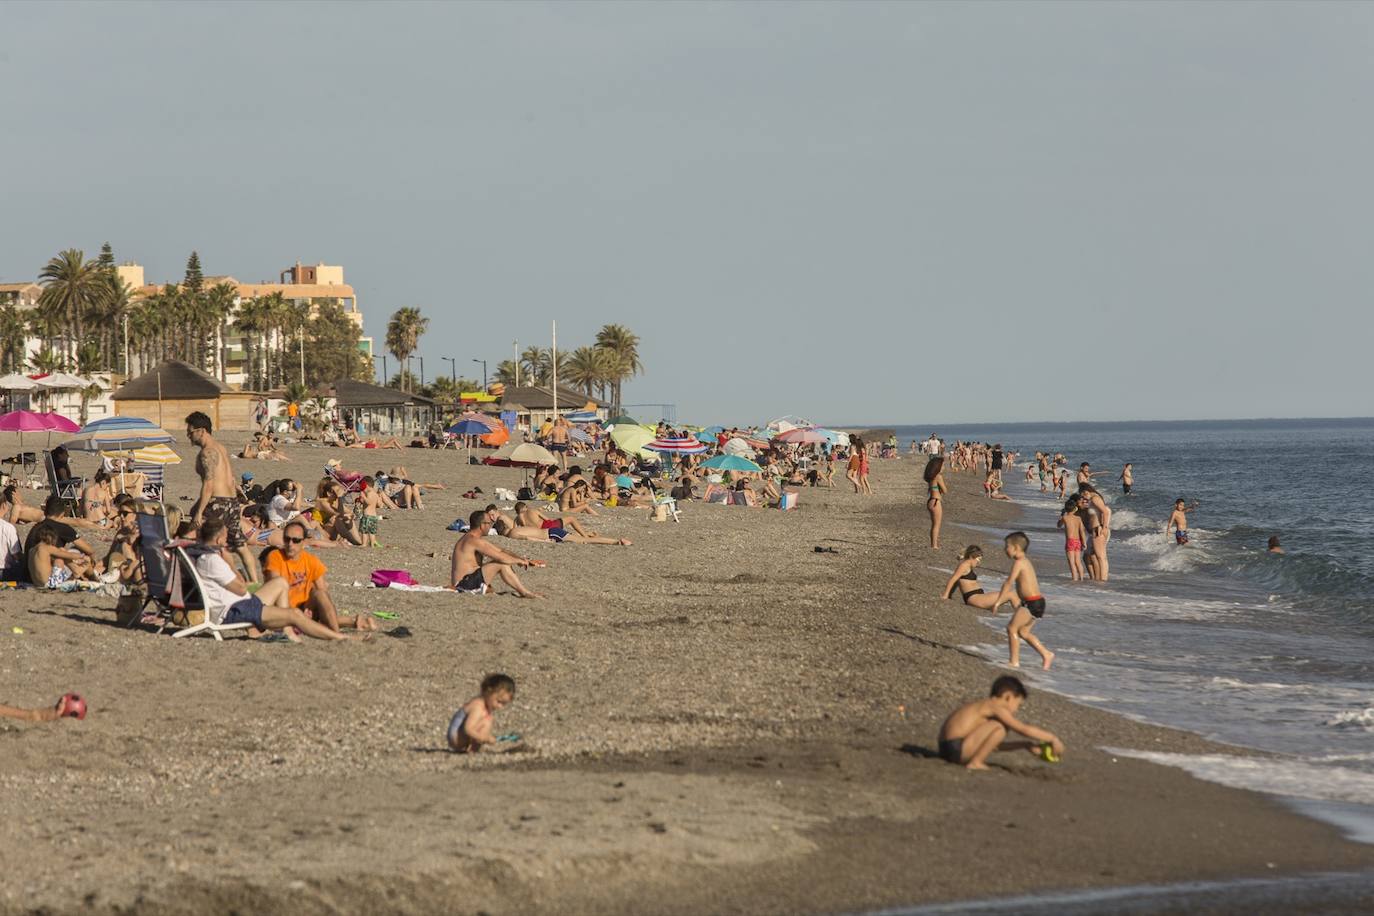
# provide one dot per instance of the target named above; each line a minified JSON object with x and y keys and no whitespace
{"x":713,"y":724}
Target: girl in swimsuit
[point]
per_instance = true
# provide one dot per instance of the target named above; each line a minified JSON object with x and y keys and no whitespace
{"x":1072,"y":523}
{"x":935,"y":490}
{"x":966,"y":581}
{"x":96,"y":498}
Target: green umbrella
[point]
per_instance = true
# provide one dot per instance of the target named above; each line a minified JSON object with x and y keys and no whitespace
{"x":622,"y":420}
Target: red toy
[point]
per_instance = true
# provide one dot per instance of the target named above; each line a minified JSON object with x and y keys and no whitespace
{"x":73,"y":705}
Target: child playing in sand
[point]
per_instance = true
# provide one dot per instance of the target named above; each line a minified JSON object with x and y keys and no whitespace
{"x":1178,"y":521}
{"x":67,"y":705}
{"x":1072,"y":523}
{"x":470,"y":727}
{"x":973,"y":731}
{"x":1022,"y":579}
{"x":369,"y":512}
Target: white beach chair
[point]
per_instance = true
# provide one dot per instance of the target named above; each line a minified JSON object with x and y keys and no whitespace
{"x":188,"y":569}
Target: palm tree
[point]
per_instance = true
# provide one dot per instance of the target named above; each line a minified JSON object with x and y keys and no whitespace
{"x":621,"y":342}
{"x":13,"y":330}
{"x":506,"y":372}
{"x":46,"y":361}
{"x":403,"y":334}
{"x":533,"y":365}
{"x":219,"y":306}
{"x":74,"y":289}
{"x":118,"y":305}
{"x":586,"y":368}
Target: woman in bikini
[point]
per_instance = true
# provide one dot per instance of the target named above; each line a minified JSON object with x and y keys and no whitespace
{"x":334,"y":517}
{"x":965,"y":579}
{"x":96,"y":499}
{"x":1072,"y":523}
{"x":935,"y":491}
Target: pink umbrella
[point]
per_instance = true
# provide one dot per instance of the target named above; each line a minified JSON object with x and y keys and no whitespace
{"x":23,"y":421}
{"x":801,"y":436}
{"x":60,"y":424}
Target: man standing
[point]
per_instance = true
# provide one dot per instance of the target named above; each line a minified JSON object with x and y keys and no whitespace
{"x":219,"y":496}
{"x":558,"y":441}
{"x":996,"y":468}
{"x":476,"y":562}
{"x":304,"y":576}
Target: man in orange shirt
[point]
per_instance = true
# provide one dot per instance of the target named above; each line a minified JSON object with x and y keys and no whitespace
{"x":304,"y":573}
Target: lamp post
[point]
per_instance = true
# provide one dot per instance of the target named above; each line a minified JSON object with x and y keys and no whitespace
{"x":452,"y":368}
{"x":484,"y":372}
{"x":383,"y":359}
{"x":422,"y":367}
{"x":516,"y":345}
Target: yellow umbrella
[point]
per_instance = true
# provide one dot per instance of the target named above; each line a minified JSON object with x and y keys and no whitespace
{"x":633,"y":439}
{"x":148,"y":454}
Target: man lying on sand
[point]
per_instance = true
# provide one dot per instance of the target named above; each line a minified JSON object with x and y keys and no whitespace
{"x":973,"y":731}
{"x":476,"y":561}
{"x":532,"y":525}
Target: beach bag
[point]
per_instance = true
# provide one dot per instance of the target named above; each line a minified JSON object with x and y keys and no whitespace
{"x":660,"y":513}
{"x":525,"y":494}
{"x":385,"y":578}
{"x":788,"y":500}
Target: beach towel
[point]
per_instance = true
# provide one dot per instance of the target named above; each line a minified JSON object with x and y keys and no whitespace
{"x":385,"y":578}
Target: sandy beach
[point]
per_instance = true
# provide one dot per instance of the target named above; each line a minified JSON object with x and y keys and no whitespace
{"x":717,"y":719}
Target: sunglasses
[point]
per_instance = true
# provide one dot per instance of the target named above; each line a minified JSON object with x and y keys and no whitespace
{"x":291,"y":540}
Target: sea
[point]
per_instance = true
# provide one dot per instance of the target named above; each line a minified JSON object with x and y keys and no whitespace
{"x":1218,"y":637}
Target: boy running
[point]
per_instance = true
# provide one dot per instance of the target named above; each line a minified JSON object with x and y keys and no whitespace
{"x":1023,"y":581}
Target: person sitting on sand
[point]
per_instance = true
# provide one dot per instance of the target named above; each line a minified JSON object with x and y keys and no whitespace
{"x":973,"y":731}
{"x":53,"y":566}
{"x":965,"y":580}
{"x":476,"y":561}
{"x":334,"y":517}
{"x":260,"y":533}
{"x":403,"y":492}
{"x":227,"y":601}
{"x":286,"y":503}
{"x":96,"y":499}
{"x":304,"y":573}
{"x":57,"y":519}
{"x":470,"y":728}
{"x":576,"y":499}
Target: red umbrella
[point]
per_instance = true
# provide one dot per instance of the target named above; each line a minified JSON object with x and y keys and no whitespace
{"x":23,"y":421}
{"x":60,"y":424}
{"x":800,"y":436}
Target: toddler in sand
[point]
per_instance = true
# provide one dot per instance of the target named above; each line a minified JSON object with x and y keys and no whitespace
{"x":1023,"y":581}
{"x":973,"y":731}
{"x":470,"y":727}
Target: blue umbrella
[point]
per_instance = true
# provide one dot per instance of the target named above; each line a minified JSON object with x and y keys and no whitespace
{"x":469,"y":428}
{"x":731,"y":463}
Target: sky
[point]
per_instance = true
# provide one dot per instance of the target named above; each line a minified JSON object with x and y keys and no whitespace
{"x":860,"y":213}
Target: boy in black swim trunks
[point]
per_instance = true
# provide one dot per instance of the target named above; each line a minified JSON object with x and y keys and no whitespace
{"x":973,"y":731}
{"x":1023,"y":581}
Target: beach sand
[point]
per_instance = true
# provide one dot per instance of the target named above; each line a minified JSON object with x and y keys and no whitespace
{"x":711,"y":717}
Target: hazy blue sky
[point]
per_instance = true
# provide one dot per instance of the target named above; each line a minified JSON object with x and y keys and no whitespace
{"x":861,"y":212}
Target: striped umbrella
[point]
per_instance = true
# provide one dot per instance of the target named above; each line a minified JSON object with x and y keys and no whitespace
{"x":687,"y":446}
{"x":118,"y":434}
{"x":490,"y":422}
{"x":149,"y":454}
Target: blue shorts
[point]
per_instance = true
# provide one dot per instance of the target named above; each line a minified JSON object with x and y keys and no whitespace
{"x":249,"y":610}
{"x":557,"y":534}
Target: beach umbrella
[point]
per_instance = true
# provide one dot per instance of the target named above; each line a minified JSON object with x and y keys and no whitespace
{"x":61,"y":380}
{"x":470,"y":427}
{"x":799,"y":436}
{"x":148,"y":454}
{"x":578,"y":435}
{"x":16,"y":382}
{"x":118,"y":433}
{"x":731,"y":463}
{"x":622,"y":420}
{"x":472,"y":416}
{"x":783,"y":424}
{"x":632,"y":438}
{"x":59,"y":424}
{"x":687,"y":446}
{"x":533,"y":453}
{"x":23,"y":421}
{"x":625,"y":481}
{"x":738,"y":447}
{"x":581,"y":416}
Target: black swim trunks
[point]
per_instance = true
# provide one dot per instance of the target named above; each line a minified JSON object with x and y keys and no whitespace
{"x":952,"y":750}
{"x":228,"y":509}
{"x":473,"y":582}
{"x":1036,"y":606}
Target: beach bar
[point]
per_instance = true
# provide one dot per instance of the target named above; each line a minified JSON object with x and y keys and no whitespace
{"x":371,"y":409}
{"x":172,"y":389}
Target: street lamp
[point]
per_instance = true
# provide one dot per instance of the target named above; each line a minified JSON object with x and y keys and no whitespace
{"x":484,"y":372}
{"x":383,"y":359}
{"x":422,"y":367}
{"x":453,"y":368}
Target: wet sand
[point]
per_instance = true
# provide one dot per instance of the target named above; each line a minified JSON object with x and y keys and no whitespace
{"x":711,"y":717}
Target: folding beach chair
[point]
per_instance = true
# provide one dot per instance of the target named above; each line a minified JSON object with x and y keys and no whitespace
{"x":171,"y":579}
{"x":69,"y":490}
{"x":154,"y":475}
{"x":352,"y":484}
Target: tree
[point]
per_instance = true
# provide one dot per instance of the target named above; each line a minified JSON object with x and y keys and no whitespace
{"x":46,"y":361}
{"x":623,"y":344}
{"x":219,"y":306}
{"x":405,"y":381}
{"x":194,"y":281}
{"x":588,"y":369}
{"x":331,"y":351}
{"x":73,"y":289}
{"x":13,"y":331}
{"x":403,"y":334}
{"x":506,"y":372}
